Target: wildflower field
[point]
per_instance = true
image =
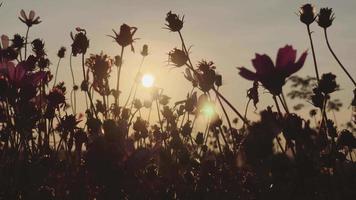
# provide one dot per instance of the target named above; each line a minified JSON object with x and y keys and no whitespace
{"x":122,"y":146}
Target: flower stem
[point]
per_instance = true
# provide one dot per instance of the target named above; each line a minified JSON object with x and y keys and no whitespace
{"x":118,"y":75}
{"x":28,"y":29}
{"x":313,"y":51}
{"x":55,"y":76}
{"x":337,"y":59}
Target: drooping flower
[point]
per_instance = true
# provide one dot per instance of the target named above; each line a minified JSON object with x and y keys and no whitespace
{"x":325,"y":17}
{"x":125,"y":36}
{"x":174,"y":23}
{"x":273,"y":76}
{"x":80,"y":42}
{"x":307,"y":14}
{"x":29,"y":20}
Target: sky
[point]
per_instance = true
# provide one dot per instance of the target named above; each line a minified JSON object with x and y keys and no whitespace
{"x":228,"y":32}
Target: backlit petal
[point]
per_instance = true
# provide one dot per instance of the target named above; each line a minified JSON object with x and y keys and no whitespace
{"x":263,"y":64}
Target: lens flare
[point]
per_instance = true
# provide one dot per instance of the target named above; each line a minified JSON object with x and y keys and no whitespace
{"x":147,"y":80}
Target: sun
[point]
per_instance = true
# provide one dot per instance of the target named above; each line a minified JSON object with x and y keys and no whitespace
{"x":147,"y":80}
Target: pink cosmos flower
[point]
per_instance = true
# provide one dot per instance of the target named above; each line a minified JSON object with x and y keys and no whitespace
{"x":271,"y":76}
{"x":18,"y":76}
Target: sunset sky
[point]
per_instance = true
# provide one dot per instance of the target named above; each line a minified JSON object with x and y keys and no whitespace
{"x":227,"y":32}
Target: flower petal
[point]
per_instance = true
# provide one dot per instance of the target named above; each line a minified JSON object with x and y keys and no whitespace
{"x":263,"y":64}
{"x":292,"y":68}
{"x":36,"y":78}
{"x":23,"y":14}
{"x":5,"y":41}
{"x":31,"y":16}
{"x":247,"y":74}
{"x":285,"y":56}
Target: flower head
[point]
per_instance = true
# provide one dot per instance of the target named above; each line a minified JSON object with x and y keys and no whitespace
{"x":273,"y":76}
{"x":125,"y":36}
{"x":100,"y":65}
{"x":178,"y":57}
{"x":174,"y":23}
{"x":18,"y":41}
{"x":307,"y":14}
{"x":61,"y":52}
{"x":80,"y":42}
{"x":325,"y":17}
{"x":29,"y":20}
{"x":144,"y":51}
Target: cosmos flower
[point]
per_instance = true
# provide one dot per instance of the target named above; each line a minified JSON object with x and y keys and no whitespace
{"x":125,"y":36}
{"x":18,"y":76}
{"x":325,"y":17}
{"x":29,"y":20}
{"x":273,"y":76}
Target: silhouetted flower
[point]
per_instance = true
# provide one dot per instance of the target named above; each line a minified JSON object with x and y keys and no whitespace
{"x":125,"y":37}
{"x":29,"y":20}
{"x":206,"y":75}
{"x":38,"y":47}
{"x":18,"y":41}
{"x":56,"y":97}
{"x":327,"y":83}
{"x":273,"y":76}
{"x":325,"y":17}
{"x":178,"y":57}
{"x":43,"y":63}
{"x":80,"y":42}
{"x":61,"y":52}
{"x":144,"y":51}
{"x":174,"y":23}
{"x":18,"y":76}
{"x":346,"y":138}
{"x":307,"y":14}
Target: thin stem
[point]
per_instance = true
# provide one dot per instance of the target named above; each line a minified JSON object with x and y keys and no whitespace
{"x":55,"y":76}
{"x":231,"y":106}
{"x":337,"y":59}
{"x":118,"y":75}
{"x":28,"y":29}
{"x":277,"y":106}
{"x":313,"y":51}
{"x":74,"y":104}
{"x":135,"y":84}
{"x":86,"y":82}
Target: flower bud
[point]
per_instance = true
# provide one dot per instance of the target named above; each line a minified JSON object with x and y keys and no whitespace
{"x":307,"y":14}
{"x":144,"y":51}
{"x":61,"y":52}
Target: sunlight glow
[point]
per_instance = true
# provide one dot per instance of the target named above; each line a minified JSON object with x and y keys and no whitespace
{"x":208,"y":110}
{"x":147,"y":80}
